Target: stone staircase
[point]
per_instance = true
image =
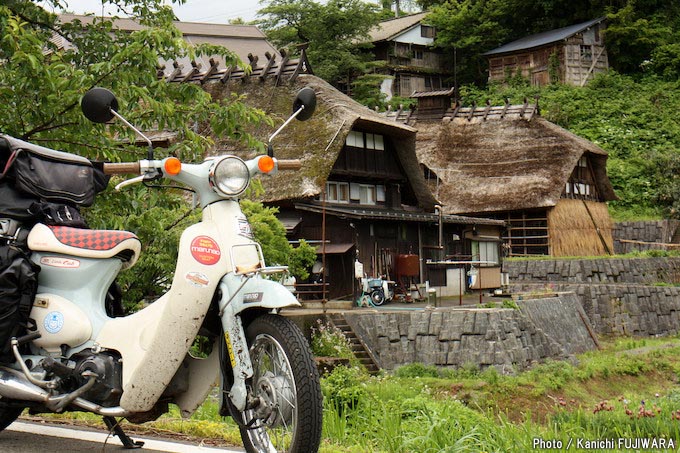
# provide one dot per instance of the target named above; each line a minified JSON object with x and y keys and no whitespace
{"x":359,"y":348}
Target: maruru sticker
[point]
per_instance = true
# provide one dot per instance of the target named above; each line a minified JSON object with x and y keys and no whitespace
{"x":205,"y":250}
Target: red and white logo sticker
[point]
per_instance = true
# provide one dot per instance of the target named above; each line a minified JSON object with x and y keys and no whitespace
{"x":205,"y":250}
{"x":54,"y":261}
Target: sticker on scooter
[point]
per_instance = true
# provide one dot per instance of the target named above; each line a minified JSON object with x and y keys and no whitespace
{"x":249,"y":298}
{"x":54,"y":322}
{"x":205,"y":250}
{"x":64,"y":263}
{"x":197,"y":279}
{"x":244,"y":227}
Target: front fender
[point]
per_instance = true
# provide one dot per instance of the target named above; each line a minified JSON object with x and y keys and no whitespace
{"x":243,"y":293}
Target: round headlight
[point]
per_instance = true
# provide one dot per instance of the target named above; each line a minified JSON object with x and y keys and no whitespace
{"x":229,"y":176}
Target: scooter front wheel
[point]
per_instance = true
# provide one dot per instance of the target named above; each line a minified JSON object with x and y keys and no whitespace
{"x":378,"y":297}
{"x":286,"y":386}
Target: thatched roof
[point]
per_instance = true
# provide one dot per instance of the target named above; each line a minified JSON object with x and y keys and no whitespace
{"x":504,"y":163}
{"x":318,"y":141}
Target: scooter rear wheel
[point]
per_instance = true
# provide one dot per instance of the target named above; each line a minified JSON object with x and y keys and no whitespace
{"x":286,"y":380}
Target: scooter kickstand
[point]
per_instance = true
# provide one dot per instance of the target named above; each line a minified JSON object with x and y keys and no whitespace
{"x":114,"y":427}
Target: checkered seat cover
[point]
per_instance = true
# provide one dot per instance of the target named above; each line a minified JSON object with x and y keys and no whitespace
{"x":85,"y":243}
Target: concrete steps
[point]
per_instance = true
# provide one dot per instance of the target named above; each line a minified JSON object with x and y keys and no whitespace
{"x":359,"y":348}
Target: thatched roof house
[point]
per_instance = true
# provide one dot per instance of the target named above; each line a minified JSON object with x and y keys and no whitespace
{"x":507,"y":162}
{"x":319,"y":141}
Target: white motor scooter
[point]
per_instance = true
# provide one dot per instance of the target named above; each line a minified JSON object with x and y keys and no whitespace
{"x":79,"y":358}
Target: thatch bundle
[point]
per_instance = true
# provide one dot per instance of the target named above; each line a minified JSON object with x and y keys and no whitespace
{"x":574,"y":226}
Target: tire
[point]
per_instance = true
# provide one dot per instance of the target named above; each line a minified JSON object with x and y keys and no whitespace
{"x":286,"y":375}
{"x":8,"y":415}
{"x":378,"y":297}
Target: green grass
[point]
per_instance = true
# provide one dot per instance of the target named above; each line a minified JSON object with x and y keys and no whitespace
{"x":628,"y":389}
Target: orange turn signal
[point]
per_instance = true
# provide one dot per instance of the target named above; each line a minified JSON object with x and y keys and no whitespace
{"x":173,"y":166}
{"x":266,"y":164}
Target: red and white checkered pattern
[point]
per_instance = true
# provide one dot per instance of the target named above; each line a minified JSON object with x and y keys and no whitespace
{"x":90,"y":239}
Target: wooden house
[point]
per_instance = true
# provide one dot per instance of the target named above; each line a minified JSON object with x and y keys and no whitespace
{"x":506,"y":162}
{"x":360,"y":195}
{"x":570,"y":55}
{"x":413,"y":64}
{"x":248,"y":42}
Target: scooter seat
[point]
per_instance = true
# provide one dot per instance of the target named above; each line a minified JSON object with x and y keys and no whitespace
{"x":85,"y":243}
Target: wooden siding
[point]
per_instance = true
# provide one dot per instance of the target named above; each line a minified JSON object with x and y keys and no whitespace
{"x":580,"y":57}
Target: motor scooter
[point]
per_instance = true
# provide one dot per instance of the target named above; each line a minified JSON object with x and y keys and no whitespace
{"x":78,"y":358}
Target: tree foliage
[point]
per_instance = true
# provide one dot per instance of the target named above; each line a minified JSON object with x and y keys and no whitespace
{"x":333,"y":32}
{"x":41,"y":84}
{"x":271,"y":234}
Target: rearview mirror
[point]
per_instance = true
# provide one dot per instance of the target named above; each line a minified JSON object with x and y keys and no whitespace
{"x":305,"y":99}
{"x":98,"y":105}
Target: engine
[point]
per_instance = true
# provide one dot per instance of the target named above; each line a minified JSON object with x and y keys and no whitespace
{"x":106,"y":366}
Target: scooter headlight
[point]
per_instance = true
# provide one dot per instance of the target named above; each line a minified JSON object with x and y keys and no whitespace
{"x":229,"y":176}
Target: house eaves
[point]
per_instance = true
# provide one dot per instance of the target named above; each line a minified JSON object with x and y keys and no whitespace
{"x":401,"y":216}
{"x":390,"y":29}
{"x":544,"y":38}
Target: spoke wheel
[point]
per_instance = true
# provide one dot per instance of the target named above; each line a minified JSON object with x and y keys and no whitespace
{"x":378,"y":297}
{"x":285,"y":386}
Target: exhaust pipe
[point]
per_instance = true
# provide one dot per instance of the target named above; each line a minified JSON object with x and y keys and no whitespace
{"x":14,"y":385}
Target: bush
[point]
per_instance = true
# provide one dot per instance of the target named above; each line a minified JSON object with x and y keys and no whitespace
{"x":417,"y":370}
{"x":343,"y":388}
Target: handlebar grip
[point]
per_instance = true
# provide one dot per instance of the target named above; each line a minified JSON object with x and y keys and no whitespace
{"x":289,"y":164}
{"x":121,"y":168}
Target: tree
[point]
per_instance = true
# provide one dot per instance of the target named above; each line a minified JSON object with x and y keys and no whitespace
{"x":335,"y":33}
{"x":271,"y":234}
{"x":41,"y":85}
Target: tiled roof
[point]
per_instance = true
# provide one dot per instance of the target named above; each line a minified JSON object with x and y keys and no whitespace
{"x":393,"y":27}
{"x":541,"y":39}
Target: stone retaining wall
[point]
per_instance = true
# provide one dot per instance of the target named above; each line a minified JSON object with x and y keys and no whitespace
{"x":620,"y":296}
{"x":507,"y":339}
{"x":645,"y":271}
{"x":660,"y":231}
{"x":622,"y":309}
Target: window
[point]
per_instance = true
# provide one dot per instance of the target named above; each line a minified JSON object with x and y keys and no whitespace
{"x":583,"y":162}
{"x":337,"y":192}
{"x":368,"y":141}
{"x":433,"y":83}
{"x":586,"y":53}
{"x":485,"y":251}
{"x":367,"y":194}
{"x":355,"y":139}
{"x":380,"y":193}
{"x":418,"y":54}
{"x":374,"y":141}
{"x":426,"y":31}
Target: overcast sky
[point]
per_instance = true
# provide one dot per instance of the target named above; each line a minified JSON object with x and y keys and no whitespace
{"x":214,"y":11}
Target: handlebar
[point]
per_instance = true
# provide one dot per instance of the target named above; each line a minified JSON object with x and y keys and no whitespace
{"x":289,"y":164}
{"x":122,"y":168}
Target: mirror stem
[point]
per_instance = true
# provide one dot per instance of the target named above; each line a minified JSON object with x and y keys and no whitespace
{"x":138,"y":132}
{"x":292,"y":117}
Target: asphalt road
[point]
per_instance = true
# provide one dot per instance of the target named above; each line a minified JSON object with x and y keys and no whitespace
{"x":30,"y":437}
